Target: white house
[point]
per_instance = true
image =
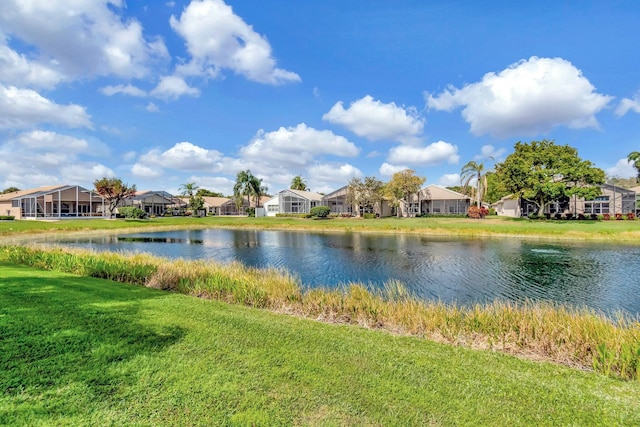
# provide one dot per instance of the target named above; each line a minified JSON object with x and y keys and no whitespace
{"x":292,"y":201}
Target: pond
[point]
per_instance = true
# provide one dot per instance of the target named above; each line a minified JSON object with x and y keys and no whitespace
{"x":465,"y":271}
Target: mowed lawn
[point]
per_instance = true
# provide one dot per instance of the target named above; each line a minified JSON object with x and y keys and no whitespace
{"x":82,"y":351}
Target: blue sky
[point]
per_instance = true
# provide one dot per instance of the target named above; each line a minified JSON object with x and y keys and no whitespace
{"x":161,"y":93}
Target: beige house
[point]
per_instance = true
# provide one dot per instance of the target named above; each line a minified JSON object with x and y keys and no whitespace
{"x":53,"y":202}
{"x":153,"y":202}
{"x":435,"y":200}
{"x":292,"y":201}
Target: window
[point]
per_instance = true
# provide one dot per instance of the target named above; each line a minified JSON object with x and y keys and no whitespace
{"x":596,"y":207}
{"x":272,"y":208}
{"x":414,"y":208}
{"x":15,"y":203}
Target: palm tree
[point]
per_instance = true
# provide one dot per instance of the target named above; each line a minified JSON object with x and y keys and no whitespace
{"x":188,"y":189}
{"x":634,"y":157}
{"x":257,"y":190}
{"x":298,"y":183}
{"x":474,"y":170}
{"x":242,"y":186}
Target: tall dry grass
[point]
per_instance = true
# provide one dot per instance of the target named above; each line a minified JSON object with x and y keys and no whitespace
{"x":574,"y":337}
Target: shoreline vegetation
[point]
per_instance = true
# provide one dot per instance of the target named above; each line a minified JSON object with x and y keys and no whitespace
{"x":578,"y":338}
{"x":625,"y":231}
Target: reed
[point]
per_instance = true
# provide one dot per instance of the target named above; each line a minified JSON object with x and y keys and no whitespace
{"x":580,"y":338}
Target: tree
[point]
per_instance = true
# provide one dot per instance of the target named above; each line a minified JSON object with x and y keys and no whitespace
{"x":622,"y":182}
{"x":298,"y":183}
{"x":634,"y":157}
{"x":10,"y":190}
{"x":495,"y":187}
{"x":196,"y":202}
{"x":402,"y":185}
{"x":367,"y":194}
{"x":474,"y":171}
{"x":542,"y":172}
{"x":249,"y":185}
{"x":114,"y":191}
{"x":203,"y":192}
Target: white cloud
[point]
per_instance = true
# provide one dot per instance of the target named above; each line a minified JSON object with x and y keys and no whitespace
{"x":17,"y":69}
{"x":297,"y":146}
{"x":437,"y":152}
{"x":20,"y":108}
{"x":152,"y":108}
{"x":488,"y":151}
{"x":218,"y":39}
{"x":387,"y":169}
{"x":173,"y":87}
{"x":528,"y":98}
{"x":218,"y":184}
{"x":82,"y":38}
{"x":37,"y":158}
{"x":376,"y":121}
{"x":627,"y":105}
{"x":183,"y":156}
{"x":329,"y":175}
{"x":623,"y":169}
{"x":449,"y":179}
{"x":125,"y":90}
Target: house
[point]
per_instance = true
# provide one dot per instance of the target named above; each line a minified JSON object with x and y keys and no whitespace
{"x":436,"y":200}
{"x":292,"y":201}
{"x":336,"y":201}
{"x":612,"y":200}
{"x":154,"y":202}
{"x":53,"y":202}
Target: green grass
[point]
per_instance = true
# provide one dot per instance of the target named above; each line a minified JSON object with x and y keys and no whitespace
{"x":622,"y":231}
{"x":84,"y":351}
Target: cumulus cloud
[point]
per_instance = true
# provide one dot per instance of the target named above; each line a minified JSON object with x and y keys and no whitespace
{"x":82,"y":38}
{"x":623,"y":169}
{"x":437,"y":152}
{"x":152,"y":108}
{"x":528,"y":98}
{"x":387,"y":169}
{"x":297,"y":145}
{"x":331,"y":173}
{"x":627,"y":105}
{"x":21,"y":108}
{"x":37,"y":158}
{"x":183,"y":156}
{"x":217,"y":39}
{"x":125,"y":90}
{"x":17,"y":69}
{"x":488,"y":151}
{"x":173,"y":87}
{"x":376,"y":121}
{"x":449,"y":180}
{"x":218,"y":184}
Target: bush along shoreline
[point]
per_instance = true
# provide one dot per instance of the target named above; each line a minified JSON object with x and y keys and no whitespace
{"x":579,"y":338}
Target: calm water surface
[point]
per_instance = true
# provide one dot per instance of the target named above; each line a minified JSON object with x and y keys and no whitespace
{"x":465,"y":271}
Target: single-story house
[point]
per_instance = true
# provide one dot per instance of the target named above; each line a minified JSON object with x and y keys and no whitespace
{"x":154,"y":202}
{"x":53,"y":202}
{"x":436,"y":200}
{"x":292,"y":201}
{"x":612,"y":200}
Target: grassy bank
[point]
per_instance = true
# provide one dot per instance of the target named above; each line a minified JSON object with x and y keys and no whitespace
{"x":84,"y":351}
{"x":575,"y":338}
{"x":614,"y":231}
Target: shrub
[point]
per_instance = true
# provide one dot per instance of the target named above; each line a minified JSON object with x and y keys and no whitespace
{"x":131,"y":212}
{"x":619,"y":217}
{"x":533,"y":216}
{"x":251,"y":212}
{"x":293,"y":215}
{"x":6,"y":218}
{"x":476,"y":212}
{"x":320,"y":211}
{"x":631,"y":216}
{"x":368,"y":215}
{"x":558,"y":216}
{"x":492,"y":211}
{"x":606,"y":217}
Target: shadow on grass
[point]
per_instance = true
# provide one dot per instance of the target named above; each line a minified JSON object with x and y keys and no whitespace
{"x":70,"y":331}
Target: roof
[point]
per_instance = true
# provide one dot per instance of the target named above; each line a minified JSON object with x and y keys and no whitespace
{"x":35,"y":192}
{"x":636,"y":189}
{"x":339,"y":192}
{"x":310,"y":195}
{"x":215,"y":202}
{"x":437,"y":192}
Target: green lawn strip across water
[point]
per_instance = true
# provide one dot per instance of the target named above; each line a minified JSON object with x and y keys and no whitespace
{"x":85,"y":351}
{"x":622,"y":231}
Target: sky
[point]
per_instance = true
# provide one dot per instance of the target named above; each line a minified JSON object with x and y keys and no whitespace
{"x":163,"y":93}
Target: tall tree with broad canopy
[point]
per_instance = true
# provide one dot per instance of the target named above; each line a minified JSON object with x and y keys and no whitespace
{"x":475,"y":171}
{"x":203,"y":192}
{"x":542,"y":172}
{"x":367,"y":193}
{"x":634,"y":157}
{"x":298,"y":183}
{"x":114,"y":191}
{"x":401,"y":186}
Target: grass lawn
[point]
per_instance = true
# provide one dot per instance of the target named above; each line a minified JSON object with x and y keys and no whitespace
{"x":621,"y":231}
{"x":83,"y":351}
